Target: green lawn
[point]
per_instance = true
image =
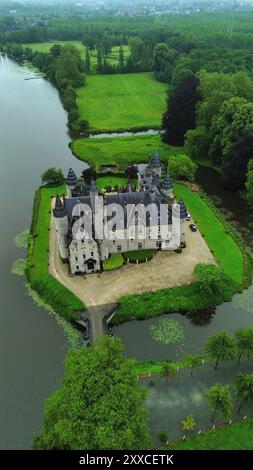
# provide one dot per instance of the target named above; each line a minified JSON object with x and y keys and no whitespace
{"x":238,"y":436}
{"x":49,"y":289}
{"x":112,"y":181}
{"x":111,"y":58}
{"x":46,"y":46}
{"x":122,"y":150}
{"x":115,"y":261}
{"x":224,"y":248}
{"x":122,"y":101}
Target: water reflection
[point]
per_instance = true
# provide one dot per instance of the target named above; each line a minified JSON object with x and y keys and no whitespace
{"x":201,"y":317}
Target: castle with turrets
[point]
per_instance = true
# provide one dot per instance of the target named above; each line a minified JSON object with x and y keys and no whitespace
{"x":86,"y":255}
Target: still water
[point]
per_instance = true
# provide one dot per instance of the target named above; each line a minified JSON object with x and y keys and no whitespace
{"x":33,"y":137}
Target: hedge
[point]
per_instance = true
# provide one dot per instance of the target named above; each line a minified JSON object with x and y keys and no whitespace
{"x":140,"y":255}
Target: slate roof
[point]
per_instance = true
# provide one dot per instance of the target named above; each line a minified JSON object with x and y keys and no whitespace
{"x":167,"y":183}
{"x":181,"y":211}
{"x":59,"y":209}
{"x":71,"y":178}
{"x":155,"y":162}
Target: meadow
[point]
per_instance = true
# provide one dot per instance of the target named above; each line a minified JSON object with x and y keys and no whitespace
{"x":112,"y":57}
{"x":237,"y":436}
{"x":122,"y":101}
{"x":122,"y":151}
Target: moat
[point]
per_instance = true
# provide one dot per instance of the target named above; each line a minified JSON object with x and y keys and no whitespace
{"x":34,"y":137}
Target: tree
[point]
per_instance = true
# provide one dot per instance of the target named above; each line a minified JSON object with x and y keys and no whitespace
{"x":244,"y":340}
{"x":136,"y":46}
{"x":131,"y":172}
{"x":99,"y":61}
{"x":189,"y":423}
{"x":167,"y":371}
{"x":249,"y":183}
{"x":99,"y":404}
{"x":181,"y":112}
{"x":182,"y":167}
{"x":53,"y":176}
{"x":121,"y":59}
{"x":87,"y":59}
{"x":89,"y":174}
{"x":210,"y":277}
{"x":234,"y":167}
{"x":163,"y":57}
{"x":197,"y":143}
{"x":235,"y":116}
{"x":243,"y":387}
{"x":193,"y":360}
{"x":219,"y":399}
{"x":221,"y":347}
{"x":56,"y":50}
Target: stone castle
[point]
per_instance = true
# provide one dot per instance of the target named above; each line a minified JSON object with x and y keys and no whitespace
{"x":87,"y":255}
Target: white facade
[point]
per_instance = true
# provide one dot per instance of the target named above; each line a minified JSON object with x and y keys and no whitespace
{"x":87,"y":255}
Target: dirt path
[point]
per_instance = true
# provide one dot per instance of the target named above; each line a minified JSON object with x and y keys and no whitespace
{"x":100,"y":292}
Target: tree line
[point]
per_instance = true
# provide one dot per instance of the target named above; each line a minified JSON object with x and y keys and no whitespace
{"x":64,"y":67}
{"x":211,"y":114}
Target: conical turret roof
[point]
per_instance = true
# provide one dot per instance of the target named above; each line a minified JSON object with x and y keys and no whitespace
{"x":180,"y":212}
{"x":93,"y":187}
{"x":155,"y":162}
{"x":167,"y":183}
{"x":71,"y":178}
{"x":59,"y":209}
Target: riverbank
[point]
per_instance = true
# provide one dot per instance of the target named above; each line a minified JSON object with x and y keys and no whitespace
{"x":48,"y":288}
{"x":122,"y":151}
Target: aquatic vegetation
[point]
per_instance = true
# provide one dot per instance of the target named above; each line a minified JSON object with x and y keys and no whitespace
{"x":74,"y":337}
{"x":167,"y":331}
{"x":244,"y":300}
{"x":21,"y":240}
{"x":18,"y":267}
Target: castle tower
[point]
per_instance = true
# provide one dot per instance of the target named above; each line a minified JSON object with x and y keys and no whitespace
{"x":156,"y":167}
{"x":71,"y":182}
{"x":61,"y":227}
{"x":93,"y":193}
{"x":167,"y":186}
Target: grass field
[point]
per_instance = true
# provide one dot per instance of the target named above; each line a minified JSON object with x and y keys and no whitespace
{"x":49,"y":289}
{"x":111,"y":58}
{"x":104,"y":181}
{"x":238,"y":436}
{"x":225,"y":250}
{"x":122,"y":150}
{"x":122,"y":101}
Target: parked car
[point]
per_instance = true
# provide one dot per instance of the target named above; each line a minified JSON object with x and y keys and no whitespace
{"x":188,"y":218}
{"x":193,"y":227}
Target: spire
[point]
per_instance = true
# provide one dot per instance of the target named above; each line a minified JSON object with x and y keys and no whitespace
{"x":71,"y":178}
{"x":181,"y":211}
{"x":59,"y":209}
{"x":155,"y":162}
{"x":93,"y":187}
{"x":167,"y":183}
